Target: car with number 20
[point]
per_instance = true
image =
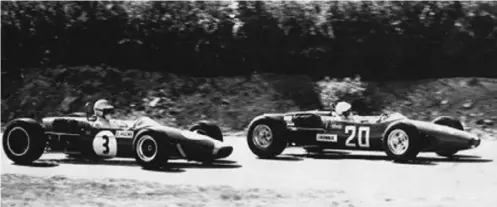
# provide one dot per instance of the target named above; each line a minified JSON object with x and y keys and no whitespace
{"x":399,"y":137}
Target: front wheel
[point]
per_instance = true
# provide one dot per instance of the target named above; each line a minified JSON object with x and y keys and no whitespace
{"x":24,"y":141}
{"x":402,"y":142}
{"x":149,"y":151}
{"x":266,"y":138}
{"x":209,"y":129}
{"x":450,"y":122}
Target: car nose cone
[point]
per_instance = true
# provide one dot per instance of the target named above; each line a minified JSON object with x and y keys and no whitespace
{"x":475,"y":142}
{"x":223,"y":152}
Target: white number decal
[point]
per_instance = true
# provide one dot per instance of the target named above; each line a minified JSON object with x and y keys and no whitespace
{"x":363,"y":142}
{"x":363,"y":136}
{"x":351,"y":130}
{"x":105,"y":144}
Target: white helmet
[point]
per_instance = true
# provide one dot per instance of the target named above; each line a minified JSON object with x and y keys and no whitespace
{"x":101,"y":108}
{"x":343,"y":108}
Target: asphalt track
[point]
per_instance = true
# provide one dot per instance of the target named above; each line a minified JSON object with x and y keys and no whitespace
{"x":365,"y":178}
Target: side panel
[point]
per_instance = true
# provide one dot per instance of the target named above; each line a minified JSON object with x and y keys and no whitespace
{"x":125,"y":147}
{"x":110,"y":143}
{"x":66,"y":134}
{"x":350,"y":135}
{"x":344,"y":135}
{"x":91,"y":142}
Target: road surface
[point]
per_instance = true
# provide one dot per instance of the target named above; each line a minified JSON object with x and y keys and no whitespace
{"x":335,"y":178}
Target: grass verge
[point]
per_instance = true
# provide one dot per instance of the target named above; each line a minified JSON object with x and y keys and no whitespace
{"x":23,"y":190}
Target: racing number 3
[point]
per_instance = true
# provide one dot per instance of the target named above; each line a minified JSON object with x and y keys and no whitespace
{"x":105,"y":144}
{"x":362,"y":136}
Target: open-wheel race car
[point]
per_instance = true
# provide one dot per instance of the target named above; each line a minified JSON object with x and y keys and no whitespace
{"x":400,"y":137}
{"x":79,"y":135}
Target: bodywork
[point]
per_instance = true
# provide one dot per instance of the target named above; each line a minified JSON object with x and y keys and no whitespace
{"x":76,"y":135}
{"x":324,"y":129}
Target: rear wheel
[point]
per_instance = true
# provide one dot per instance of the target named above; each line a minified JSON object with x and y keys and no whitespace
{"x":266,"y":138}
{"x":401,"y":142}
{"x":24,"y":141}
{"x":450,"y":122}
{"x":149,"y":151}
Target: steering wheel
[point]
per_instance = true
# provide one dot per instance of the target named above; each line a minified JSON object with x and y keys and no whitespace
{"x":382,"y":117}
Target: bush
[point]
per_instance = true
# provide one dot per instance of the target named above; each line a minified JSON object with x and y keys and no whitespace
{"x":376,"y":40}
{"x":174,"y":100}
{"x":360,"y":94}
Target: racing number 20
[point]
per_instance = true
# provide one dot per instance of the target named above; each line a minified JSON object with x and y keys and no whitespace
{"x":362,"y":136}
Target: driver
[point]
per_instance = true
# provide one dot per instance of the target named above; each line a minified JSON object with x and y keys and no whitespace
{"x":103,"y":111}
{"x":343,"y":110}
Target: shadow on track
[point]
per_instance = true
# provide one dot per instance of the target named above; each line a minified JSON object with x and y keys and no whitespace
{"x":181,"y":166}
{"x":339,"y":155}
{"x":283,"y":158}
{"x":40,"y":163}
{"x":172,"y":166}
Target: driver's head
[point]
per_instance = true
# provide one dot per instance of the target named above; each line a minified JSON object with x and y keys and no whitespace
{"x":103,"y":109}
{"x":343,"y":108}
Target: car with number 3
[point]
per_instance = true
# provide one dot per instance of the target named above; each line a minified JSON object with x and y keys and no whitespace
{"x":150,"y":143}
{"x":399,"y":137}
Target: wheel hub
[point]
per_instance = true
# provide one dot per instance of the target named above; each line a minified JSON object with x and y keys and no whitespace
{"x":262,"y":136}
{"x":398,"y":142}
{"x":146,"y":148}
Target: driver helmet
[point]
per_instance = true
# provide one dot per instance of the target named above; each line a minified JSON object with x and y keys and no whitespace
{"x":343,"y":108}
{"x":102,"y":108}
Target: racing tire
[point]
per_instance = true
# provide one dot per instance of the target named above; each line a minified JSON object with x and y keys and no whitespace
{"x":408,"y":137}
{"x":275,"y":140}
{"x":209,"y":129}
{"x":450,"y":122}
{"x":24,"y":141}
{"x":149,"y":151}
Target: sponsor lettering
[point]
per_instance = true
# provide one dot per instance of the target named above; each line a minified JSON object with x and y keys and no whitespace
{"x":327,"y":137}
{"x":336,"y":126}
{"x":330,"y":126}
{"x":124,"y":134}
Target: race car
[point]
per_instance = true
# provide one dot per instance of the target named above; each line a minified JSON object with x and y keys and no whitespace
{"x":148,"y":142}
{"x":399,"y":137}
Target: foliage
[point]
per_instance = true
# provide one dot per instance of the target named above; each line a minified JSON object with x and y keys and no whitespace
{"x":363,"y":96}
{"x":57,"y":55}
{"x":373,"y":39}
{"x":172,"y":99}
